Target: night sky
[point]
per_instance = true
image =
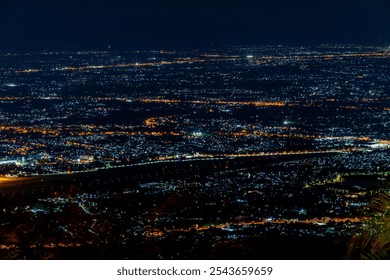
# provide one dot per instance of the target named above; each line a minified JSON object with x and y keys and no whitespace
{"x":158,"y":24}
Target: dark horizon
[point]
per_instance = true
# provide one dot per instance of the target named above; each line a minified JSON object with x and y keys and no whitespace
{"x":152,"y":24}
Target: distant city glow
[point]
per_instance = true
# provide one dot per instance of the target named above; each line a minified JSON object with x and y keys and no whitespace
{"x":197,"y":134}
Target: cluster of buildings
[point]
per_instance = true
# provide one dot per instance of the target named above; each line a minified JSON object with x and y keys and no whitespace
{"x":315,"y":118}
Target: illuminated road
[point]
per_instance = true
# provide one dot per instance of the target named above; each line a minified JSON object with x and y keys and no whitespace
{"x":229,"y":226}
{"x":206,"y":157}
{"x":185,"y":158}
{"x":24,"y":183}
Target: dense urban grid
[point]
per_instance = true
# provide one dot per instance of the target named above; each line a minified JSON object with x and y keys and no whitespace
{"x":270,"y":152}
